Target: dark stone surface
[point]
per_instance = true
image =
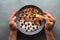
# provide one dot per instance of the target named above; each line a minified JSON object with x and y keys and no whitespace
{"x":39,"y":36}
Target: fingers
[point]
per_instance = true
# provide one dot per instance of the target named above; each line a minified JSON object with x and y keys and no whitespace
{"x":48,"y":14}
{"x":46,"y":18}
{"x":14,"y":14}
{"x":14,"y":18}
{"x":50,"y":21}
{"x":50,"y":17}
{"x":13,"y":21}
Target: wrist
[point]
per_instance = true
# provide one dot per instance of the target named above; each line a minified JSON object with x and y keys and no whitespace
{"x":12,"y":35}
{"x":48,"y":31}
{"x":49,"y":35}
{"x":13,"y":31}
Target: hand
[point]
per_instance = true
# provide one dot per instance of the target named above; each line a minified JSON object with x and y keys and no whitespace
{"x":12,"y":22}
{"x":50,"y":21}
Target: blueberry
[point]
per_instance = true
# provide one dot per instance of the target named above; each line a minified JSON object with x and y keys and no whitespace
{"x":25,"y":25}
{"x":28,"y":28}
{"x":33,"y":24}
{"x":24,"y":21}
{"x":22,"y":15}
{"x":33,"y":27}
{"x":22,"y":24}
{"x":28,"y":24}
{"x":26,"y":14}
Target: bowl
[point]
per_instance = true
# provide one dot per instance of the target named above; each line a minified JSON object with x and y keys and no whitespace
{"x":17,"y":21}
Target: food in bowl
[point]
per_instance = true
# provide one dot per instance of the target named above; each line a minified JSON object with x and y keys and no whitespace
{"x":30,"y":19}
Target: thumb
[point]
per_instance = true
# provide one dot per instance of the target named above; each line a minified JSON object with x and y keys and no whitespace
{"x":49,"y":25}
{"x":14,"y":18}
{"x":46,"y":18}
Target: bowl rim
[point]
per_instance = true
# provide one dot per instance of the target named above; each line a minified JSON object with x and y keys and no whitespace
{"x":17,"y":22}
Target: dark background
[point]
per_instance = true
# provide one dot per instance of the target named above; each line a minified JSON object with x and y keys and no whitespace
{"x":40,"y":36}
{"x":8,"y":6}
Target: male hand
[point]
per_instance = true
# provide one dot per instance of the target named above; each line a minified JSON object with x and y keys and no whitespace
{"x":12,"y":22}
{"x":50,"y":21}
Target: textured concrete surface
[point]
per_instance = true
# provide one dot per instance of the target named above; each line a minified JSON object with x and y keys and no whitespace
{"x":8,"y":6}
